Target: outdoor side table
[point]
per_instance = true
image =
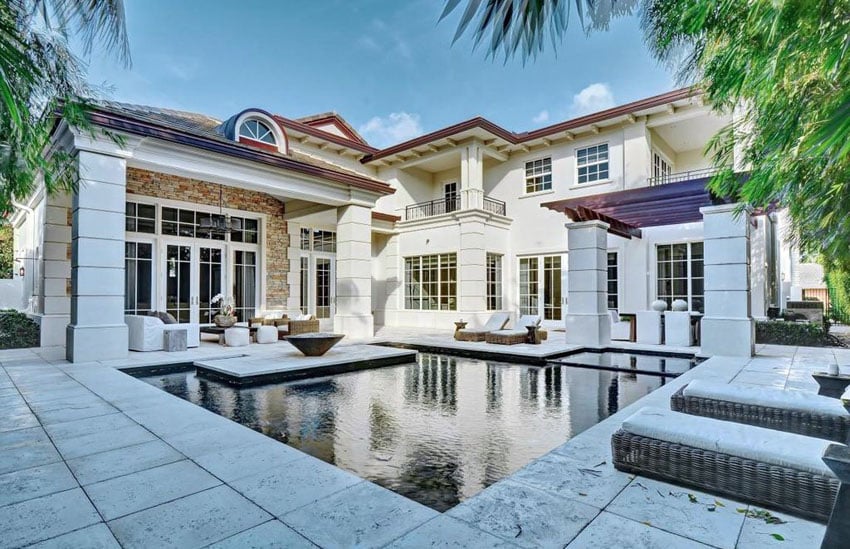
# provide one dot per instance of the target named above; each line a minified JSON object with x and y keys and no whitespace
{"x":460,"y":326}
{"x":831,"y":386}
{"x":533,"y":335}
{"x":174,"y":340}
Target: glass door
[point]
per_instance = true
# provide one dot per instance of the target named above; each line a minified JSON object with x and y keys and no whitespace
{"x":210,"y":269}
{"x":324,"y":289}
{"x":193,"y":274}
{"x":245,"y":284}
{"x":179,"y":299}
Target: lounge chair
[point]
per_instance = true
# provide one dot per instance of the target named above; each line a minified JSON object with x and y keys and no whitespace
{"x":785,"y":410}
{"x":515,"y":335}
{"x":769,"y":468}
{"x":497,"y":321}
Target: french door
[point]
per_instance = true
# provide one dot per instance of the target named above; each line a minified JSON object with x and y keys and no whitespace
{"x":318,"y":287}
{"x":542,"y":287}
{"x":193,"y":274}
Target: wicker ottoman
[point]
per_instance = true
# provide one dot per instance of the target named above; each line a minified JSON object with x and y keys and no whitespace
{"x":507,"y":337}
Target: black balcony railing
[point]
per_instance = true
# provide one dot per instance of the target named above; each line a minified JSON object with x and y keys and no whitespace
{"x":681,"y":176}
{"x":448,"y":205}
{"x":494,"y":206}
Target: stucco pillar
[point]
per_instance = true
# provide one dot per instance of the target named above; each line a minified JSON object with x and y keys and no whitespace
{"x":97,"y":330}
{"x":587,"y":321}
{"x":354,"y":272}
{"x":472,"y":269}
{"x":293,"y":277}
{"x":472,"y":177}
{"x":727,"y":327}
{"x":55,"y":305}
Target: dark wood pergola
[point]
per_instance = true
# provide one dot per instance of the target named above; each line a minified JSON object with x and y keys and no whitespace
{"x":626,"y":212}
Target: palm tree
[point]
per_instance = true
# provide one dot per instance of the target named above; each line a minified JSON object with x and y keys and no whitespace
{"x":38,"y":73}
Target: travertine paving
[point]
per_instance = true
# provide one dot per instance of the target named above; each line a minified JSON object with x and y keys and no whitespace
{"x":90,"y":456}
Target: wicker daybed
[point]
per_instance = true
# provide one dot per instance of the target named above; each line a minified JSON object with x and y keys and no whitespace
{"x":768,"y":468}
{"x":791,"y":411}
{"x":518,"y":334}
{"x":286,"y":326}
{"x":496,"y":321}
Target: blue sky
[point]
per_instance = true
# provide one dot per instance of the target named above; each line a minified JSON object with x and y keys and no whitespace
{"x":387,"y":66}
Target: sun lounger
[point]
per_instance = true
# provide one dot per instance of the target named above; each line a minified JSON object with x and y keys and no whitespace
{"x":497,"y":321}
{"x":518,"y":334}
{"x":774,"y":469}
{"x":785,"y":410}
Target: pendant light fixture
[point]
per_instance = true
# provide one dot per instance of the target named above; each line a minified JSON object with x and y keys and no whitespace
{"x":221,"y":223}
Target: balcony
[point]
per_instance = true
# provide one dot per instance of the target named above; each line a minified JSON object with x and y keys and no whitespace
{"x":441,"y":206}
{"x":678,"y":177}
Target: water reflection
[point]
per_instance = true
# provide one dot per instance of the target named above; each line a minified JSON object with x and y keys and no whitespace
{"x":437,"y":431}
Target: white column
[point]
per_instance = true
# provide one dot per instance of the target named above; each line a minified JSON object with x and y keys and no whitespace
{"x":587,"y":321}
{"x":97,"y":330}
{"x":55,"y":305}
{"x":293,"y":277}
{"x":472,"y":177}
{"x":727,"y":327}
{"x":472,"y":271}
{"x":636,"y":155}
{"x":354,"y":272}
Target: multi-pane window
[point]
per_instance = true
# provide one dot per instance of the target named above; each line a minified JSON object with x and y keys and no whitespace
{"x":680,"y":274}
{"x":140,"y":218}
{"x":528,"y":286}
{"x":305,"y":284}
{"x":245,"y":284}
{"x":613,"y":282}
{"x":494,"y":282}
{"x":552,"y":287}
{"x":247,"y":230}
{"x":318,"y":240}
{"x":138,"y":277}
{"x":592,"y":163}
{"x":431,"y":282}
{"x":660,"y":167}
{"x":256,"y":130}
{"x":538,"y":175}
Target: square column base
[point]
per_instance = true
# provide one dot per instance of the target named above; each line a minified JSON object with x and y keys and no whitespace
{"x":355,"y":326}
{"x":93,"y":343}
{"x":727,"y":336}
{"x":588,"y":329}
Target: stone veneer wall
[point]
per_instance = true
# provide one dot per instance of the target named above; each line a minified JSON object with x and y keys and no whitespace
{"x":171,"y":187}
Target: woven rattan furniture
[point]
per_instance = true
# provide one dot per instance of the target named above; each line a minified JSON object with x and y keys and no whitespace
{"x":496,"y":321}
{"x":813,"y":422}
{"x":794,"y":490}
{"x":518,"y":334}
{"x":297,"y":327}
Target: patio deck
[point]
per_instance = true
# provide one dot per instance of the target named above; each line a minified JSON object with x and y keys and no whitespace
{"x":90,"y":455}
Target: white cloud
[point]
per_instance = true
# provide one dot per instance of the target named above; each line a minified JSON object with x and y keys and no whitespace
{"x":593,"y":98}
{"x":392,"y":129}
{"x":542,"y":116}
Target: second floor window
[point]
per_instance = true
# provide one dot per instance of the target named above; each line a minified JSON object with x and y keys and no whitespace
{"x":660,"y":167}
{"x":592,"y":163}
{"x":538,"y":175}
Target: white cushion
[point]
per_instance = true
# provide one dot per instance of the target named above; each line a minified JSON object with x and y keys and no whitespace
{"x":800,"y":401}
{"x":266,"y":334}
{"x":237,"y":337}
{"x":744,"y":441}
{"x":527,"y":320}
{"x":496,"y":321}
{"x":510,"y":332}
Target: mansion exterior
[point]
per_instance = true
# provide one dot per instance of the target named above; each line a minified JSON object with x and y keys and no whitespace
{"x":451,"y":225}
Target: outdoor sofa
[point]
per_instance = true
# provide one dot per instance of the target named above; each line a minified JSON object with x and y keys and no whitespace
{"x":785,"y":410}
{"x":146,"y":333}
{"x":496,"y":321}
{"x":287,"y":323}
{"x":515,"y":335}
{"x":768,"y":468}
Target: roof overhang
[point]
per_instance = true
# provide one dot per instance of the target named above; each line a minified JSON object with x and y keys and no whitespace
{"x":628,"y":211}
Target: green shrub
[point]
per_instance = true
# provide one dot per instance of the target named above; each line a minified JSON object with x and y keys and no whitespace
{"x":17,"y":330}
{"x":794,"y":333}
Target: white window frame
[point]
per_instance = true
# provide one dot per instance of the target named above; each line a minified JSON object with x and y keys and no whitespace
{"x":144,"y":238}
{"x":660,"y":175}
{"x":261,"y":138}
{"x":452,"y":305}
{"x":495,"y":300}
{"x":607,"y":163}
{"x":689,"y":276}
{"x":616,"y":280}
{"x":529,"y":179}
{"x":541,"y":271}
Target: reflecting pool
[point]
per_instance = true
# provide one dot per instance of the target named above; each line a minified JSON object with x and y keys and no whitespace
{"x":438,"y":430}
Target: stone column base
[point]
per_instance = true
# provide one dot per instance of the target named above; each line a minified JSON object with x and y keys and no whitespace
{"x":355,"y":326}
{"x":593,"y":330}
{"x":727,"y":336}
{"x":53,"y":329}
{"x":90,"y":343}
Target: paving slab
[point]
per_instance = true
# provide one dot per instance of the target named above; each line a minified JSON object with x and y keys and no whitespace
{"x":122,"y":461}
{"x":609,"y":530}
{"x":130,"y":493}
{"x":525,"y":516}
{"x":270,"y":535}
{"x":71,"y":413}
{"x":90,"y":537}
{"x":445,"y":532}
{"x":18,"y":417}
{"x":703,"y":517}
{"x":300,"y":483}
{"x":364,"y":515}
{"x":215,"y":439}
{"x":795,"y":532}
{"x":45,"y":517}
{"x":87,"y":426}
{"x":193,"y":521}
{"x":102,"y":441}
{"x":26,"y":448}
{"x":242,"y":461}
{"x":34,"y":482}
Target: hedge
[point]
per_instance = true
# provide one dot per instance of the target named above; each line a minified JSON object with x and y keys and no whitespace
{"x":17,"y":330}
{"x":779,"y":332}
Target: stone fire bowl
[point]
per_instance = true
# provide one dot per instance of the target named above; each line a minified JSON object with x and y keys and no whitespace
{"x":314,"y":344}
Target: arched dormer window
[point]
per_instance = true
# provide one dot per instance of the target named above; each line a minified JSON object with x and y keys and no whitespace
{"x":258,"y":131}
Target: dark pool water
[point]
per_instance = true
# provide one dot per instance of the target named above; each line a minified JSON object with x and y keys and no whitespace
{"x":642,"y":363}
{"x":437,"y":431}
